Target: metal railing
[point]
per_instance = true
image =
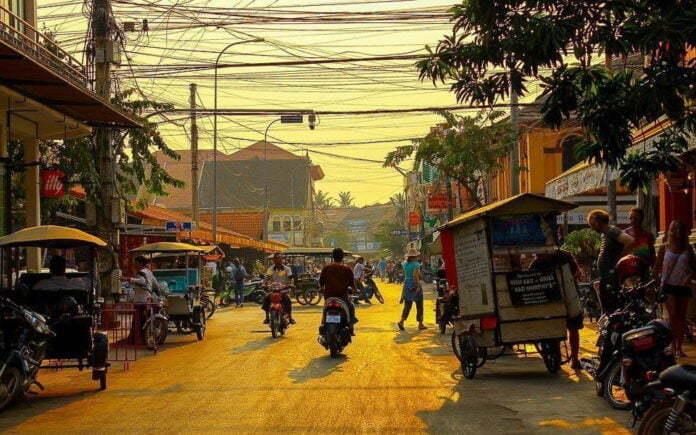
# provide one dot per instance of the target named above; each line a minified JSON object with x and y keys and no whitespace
{"x":29,"y":41}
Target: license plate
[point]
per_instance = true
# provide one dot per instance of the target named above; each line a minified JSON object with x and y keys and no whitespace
{"x":333,"y":319}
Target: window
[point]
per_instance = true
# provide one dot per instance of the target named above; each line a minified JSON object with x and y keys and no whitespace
{"x":287,"y":223}
{"x":276,"y":224}
{"x":298,"y":223}
{"x":19,"y":9}
{"x":568,"y":157}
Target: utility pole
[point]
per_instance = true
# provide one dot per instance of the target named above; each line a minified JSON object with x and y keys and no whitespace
{"x":450,"y":199}
{"x":611,"y":184}
{"x":194,"y":158}
{"x":107,"y":213}
{"x":515,"y":155}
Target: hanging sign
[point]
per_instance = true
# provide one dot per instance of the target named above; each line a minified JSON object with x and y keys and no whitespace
{"x":413,"y":219}
{"x":52,"y":184}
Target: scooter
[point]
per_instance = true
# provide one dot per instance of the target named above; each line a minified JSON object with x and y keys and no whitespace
{"x":371,"y":289}
{"x":335,"y":330}
{"x":279,"y":319}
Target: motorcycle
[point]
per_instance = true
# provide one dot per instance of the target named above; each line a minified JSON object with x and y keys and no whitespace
{"x":156,"y":324}
{"x":371,"y":289}
{"x":279,"y":319}
{"x":253,"y":292}
{"x":335,"y":331}
{"x":605,"y":367}
{"x":399,"y":276}
{"x":646,"y":352}
{"x":676,"y":411}
{"x":24,"y":341}
{"x":589,"y":299}
{"x":446,"y":305}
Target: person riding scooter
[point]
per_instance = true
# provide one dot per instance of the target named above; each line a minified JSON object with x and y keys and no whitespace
{"x":282,"y":274}
{"x":336,"y":280}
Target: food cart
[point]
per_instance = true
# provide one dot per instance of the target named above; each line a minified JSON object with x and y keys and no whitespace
{"x":502,"y":301}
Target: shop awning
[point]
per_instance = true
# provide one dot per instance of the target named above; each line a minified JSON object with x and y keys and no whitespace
{"x":581,"y":178}
{"x":59,"y":83}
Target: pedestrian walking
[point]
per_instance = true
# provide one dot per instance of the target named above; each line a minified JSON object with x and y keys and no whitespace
{"x":390,"y":271}
{"x":614,"y":242}
{"x":412,"y":291}
{"x":675,"y":267}
{"x":239,"y":274}
{"x":382,"y":266}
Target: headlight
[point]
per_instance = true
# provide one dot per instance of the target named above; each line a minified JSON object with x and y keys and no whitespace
{"x":37,"y":321}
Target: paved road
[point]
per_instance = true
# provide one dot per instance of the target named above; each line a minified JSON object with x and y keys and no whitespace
{"x":241,"y":380}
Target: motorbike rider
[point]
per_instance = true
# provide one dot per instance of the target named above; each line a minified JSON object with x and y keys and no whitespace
{"x":336,"y":279}
{"x":282,"y":274}
{"x":359,"y":275}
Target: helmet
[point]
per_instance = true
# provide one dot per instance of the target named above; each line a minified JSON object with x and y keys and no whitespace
{"x":629,"y":266}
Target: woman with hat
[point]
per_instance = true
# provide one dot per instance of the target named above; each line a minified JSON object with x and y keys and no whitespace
{"x":412,"y":291}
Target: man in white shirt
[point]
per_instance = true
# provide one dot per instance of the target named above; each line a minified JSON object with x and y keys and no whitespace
{"x":144,"y":281}
{"x":359,"y":275}
{"x":58,"y":280}
{"x":282,"y":274}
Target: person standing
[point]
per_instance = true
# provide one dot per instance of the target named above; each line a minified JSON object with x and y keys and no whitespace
{"x":239,"y":274}
{"x":382,"y":269}
{"x":644,"y":245}
{"x":614,"y":242}
{"x":675,"y":267}
{"x":390,"y":271}
{"x":412,"y":290}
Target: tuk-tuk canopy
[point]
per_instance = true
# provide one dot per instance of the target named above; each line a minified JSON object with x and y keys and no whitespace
{"x":170,"y":247}
{"x":525,"y":203}
{"x":50,"y":236}
{"x":309,"y":252}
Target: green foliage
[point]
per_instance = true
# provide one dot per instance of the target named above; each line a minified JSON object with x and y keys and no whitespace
{"x":464,"y":148}
{"x":400,"y":203}
{"x":501,"y":45}
{"x":323,"y":200}
{"x":339,"y":237}
{"x":259,"y":268}
{"x":584,"y":245}
{"x":345,"y":199}
{"x":392,"y":245}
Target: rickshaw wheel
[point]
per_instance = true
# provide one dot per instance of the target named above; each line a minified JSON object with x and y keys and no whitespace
{"x":550,"y":351}
{"x":200,"y":328}
{"x":312,"y":297}
{"x":469,"y":355}
{"x":455,"y":346}
{"x":482,"y":356}
{"x":300,"y":298}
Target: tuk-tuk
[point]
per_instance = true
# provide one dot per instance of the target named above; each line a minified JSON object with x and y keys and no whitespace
{"x":306,"y":265}
{"x":505,"y":300}
{"x":181,"y":279}
{"x":73,"y":313}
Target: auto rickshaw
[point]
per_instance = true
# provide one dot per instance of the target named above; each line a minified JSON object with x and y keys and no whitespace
{"x":72,"y":313}
{"x":306,"y":265}
{"x":182,"y":282}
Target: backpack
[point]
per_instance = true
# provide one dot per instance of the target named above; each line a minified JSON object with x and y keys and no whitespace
{"x":239,"y":274}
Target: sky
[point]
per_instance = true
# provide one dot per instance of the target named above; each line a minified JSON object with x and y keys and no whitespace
{"x":185,"y":36}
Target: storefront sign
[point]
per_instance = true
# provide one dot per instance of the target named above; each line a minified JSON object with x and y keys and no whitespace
{"x":532,"y":287}
{"x":523,"y":230}
{"x":413,"y":219}
{"x":52,"y":184}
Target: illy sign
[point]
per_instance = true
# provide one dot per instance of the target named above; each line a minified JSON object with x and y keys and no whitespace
{"x":52,"y":184}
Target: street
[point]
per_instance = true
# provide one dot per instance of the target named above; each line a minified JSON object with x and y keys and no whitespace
{"x":241,"y":380}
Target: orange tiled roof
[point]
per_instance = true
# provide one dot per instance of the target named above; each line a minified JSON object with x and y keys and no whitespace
{"x":249,"y":224}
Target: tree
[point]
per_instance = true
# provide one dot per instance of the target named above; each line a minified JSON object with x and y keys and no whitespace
{"x":499,"y":46}
{"x":339,"y":237}
{"x":466,"y":149}
{"x":400,"y":203}
{"x":324,"y":200}
{"x":390,"y":244}
{"x":345,"y":199}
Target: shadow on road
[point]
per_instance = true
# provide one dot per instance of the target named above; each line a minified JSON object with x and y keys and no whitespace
{"x":50,"y":399}
{"x":253,"y":345}
{"x":319,"y":367}
{"x":403,"y":337}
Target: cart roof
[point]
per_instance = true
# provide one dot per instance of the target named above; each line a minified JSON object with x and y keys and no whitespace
{"x":51,"y":236}
{"x":171,"y":247}
{"x":525,"y":203}
{"x":310,"y":251}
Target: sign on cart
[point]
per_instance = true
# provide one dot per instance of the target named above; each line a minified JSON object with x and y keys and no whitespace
{"x":532,"y":287}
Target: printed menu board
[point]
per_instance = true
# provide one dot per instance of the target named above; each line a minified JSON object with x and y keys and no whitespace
{"x":532,"y":287}
{"x":473,"y":270}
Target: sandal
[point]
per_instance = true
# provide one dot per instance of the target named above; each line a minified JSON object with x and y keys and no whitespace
{"x":401,"y":326}
{"x":422,"y":326}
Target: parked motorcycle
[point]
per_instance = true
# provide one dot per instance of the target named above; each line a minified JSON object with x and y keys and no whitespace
{"x":253,"y":292}
{"x":605,"y":367}
{"x":334,"y":332}
{"x":208,"y":302}
{"x":646,"y":352}
{"x":446,"y":305}
{"x":279,"y":319}
{"x":156,"y":324}
{"x":24,"y":341}
{"x":676,"y":412}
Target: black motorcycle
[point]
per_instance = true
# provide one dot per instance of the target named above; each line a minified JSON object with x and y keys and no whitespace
{"x":371,"y":289}
{"x":24,"y":341}
{"x":606,"y":366}
{"x":676,"y":412}
{"x":334,"y":332}
{"x":446,"y":305}
{"x":646,"y":352}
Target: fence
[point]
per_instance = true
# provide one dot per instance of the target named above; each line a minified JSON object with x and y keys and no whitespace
{"x":132,"y":328}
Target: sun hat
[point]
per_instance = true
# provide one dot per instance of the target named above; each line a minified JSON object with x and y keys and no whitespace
{"x":412,"y":252}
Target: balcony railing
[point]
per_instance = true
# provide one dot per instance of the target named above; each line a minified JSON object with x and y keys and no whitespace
{"x":30,"y":42}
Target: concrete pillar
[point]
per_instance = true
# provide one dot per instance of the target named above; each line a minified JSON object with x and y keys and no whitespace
{"x":33,"y":197}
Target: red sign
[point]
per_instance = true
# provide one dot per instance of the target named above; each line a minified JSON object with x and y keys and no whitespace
{"x":437,"y":201}
{"x":413,"y":218}
{"x":52,"y":184}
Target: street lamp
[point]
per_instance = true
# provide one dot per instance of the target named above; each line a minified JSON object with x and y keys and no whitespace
{"x":284,"y":119}
{"x":215,"y":97}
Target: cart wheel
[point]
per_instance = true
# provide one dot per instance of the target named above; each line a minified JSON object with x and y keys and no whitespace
{"x":313,"y":297}
{"x":469,"y":355}
{"x":482,"y":356}
{"x":455,"y":346}
{"x":550,"y":351}
{"x":300,"y":298}
{"x":200,"y":328}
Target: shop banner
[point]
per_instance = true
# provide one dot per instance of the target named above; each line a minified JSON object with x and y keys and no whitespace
{"x":533,"y":287}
